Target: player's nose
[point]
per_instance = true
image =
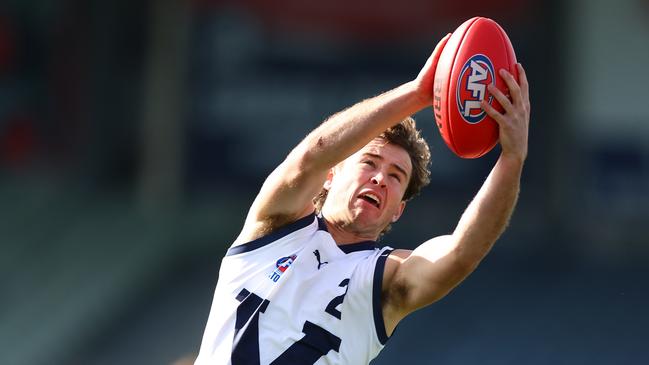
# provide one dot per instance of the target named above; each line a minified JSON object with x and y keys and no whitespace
{"x":378,"y":179}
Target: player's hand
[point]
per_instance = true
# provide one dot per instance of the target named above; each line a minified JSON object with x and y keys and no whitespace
{"x":514,"y":122}
{"x":426,"y":76}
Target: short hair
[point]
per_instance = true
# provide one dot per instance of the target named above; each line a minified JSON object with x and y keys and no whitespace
{"x":407,"y":136}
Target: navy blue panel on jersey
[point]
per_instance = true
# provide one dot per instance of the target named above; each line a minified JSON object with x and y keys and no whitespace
{"x":322,"y":225}
{"x":317,"y":342}
{"x":245,"y":349}
{"x":376,"y":297}
{"x":274,"y":236}
{"x":360,"y":246}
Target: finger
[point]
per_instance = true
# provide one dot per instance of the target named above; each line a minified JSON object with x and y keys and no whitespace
{"x":524,"y":84}
{"x":428,"y":71}
{"x":492,"y":112}
{"x":512,"y":85}
{"x":438,"y":49}
{"x":500,"y":97}
{"x":442,"y":42}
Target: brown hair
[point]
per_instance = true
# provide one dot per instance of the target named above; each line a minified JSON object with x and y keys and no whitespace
{"x":407,"y":136}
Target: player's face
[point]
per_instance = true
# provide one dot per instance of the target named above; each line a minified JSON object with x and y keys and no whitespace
{"x":366,"y":190}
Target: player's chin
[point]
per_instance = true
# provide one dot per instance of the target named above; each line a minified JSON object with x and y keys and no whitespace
{"x":371,"y":219}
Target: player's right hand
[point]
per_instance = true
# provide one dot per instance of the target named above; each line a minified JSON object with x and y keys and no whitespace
{"x":426,"y":76}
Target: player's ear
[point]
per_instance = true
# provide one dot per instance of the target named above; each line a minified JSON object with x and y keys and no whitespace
{"x":397,"y":215}
{"x":330,"y":177}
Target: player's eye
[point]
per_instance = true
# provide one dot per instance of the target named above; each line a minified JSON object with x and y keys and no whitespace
{"x":369,"y":163}
{"x":396,"y":176}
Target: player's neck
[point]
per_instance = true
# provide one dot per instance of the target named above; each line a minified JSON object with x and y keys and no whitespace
{"x":345,"y":234}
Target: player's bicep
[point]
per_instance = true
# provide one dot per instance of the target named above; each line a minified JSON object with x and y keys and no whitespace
{"x":286,"y":196}
{"x":288,"y":191}
{"x":430,"y":272}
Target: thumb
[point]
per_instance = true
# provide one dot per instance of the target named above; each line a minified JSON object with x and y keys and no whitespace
{"x":431,"y":63}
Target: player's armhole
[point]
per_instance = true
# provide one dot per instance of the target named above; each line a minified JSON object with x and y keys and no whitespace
{"x":272,"y":237}
{"x":377,"y":307}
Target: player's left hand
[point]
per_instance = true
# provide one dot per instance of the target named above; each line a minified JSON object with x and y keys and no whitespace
{"x":514,"y":122}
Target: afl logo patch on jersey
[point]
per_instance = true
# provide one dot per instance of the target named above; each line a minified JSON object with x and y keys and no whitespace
{"x":281,"y":266}
{"x":476,"y":74}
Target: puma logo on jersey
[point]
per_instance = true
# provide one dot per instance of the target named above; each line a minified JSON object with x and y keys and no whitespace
{"x":317,"y":256}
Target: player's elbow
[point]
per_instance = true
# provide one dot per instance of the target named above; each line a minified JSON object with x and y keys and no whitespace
{"x":465,"y":262}
{"x":308,"y":156}
{"x":469,"y":252}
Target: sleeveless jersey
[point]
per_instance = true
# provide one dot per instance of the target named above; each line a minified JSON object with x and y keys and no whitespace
{"x":295,"y":297}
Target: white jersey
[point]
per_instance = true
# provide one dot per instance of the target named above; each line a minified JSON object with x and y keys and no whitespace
{"x":295,"y":297}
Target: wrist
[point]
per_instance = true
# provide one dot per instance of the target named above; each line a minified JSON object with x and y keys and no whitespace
{"x":420,"y":98}
{"x":513,"y":160}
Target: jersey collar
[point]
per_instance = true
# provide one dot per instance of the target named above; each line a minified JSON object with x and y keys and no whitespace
{"x":348,"y":248}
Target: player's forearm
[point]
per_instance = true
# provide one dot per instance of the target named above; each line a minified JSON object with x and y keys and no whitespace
{"x":488,"y":214}
{"x":349,"y":130}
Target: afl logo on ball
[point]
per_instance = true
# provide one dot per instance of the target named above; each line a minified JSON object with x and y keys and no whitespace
{"x":476,"y":74}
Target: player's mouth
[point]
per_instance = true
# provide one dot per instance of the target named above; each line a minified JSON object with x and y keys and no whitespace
{"x":371,"y":198}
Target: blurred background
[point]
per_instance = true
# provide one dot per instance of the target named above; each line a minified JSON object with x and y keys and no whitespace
{"x":135,"y":134}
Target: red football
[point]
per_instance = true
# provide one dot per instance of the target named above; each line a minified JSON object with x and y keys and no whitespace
{"x":469,"y":62}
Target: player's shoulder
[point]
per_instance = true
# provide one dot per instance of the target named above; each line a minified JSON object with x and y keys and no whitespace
{"x":395,"y":258}
{"x":267,"y":233}
{"x":400,"y":254}
{"x":257,"y":227}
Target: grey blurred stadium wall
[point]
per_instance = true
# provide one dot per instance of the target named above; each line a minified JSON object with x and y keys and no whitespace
{"x":133,"y":136}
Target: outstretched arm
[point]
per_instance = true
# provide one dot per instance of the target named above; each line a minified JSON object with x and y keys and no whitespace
{"x":418,"y":278}
{"x":288,"y":192}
